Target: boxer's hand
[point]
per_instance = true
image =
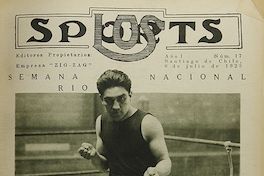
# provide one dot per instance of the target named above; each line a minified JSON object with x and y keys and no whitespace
{"x":87,"y":150}
{"x":151,"y":171}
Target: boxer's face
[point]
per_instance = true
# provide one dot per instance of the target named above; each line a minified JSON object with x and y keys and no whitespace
{"x":117,"y":102}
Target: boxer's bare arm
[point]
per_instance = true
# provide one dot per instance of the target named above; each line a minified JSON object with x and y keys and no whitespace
{"x":100,"y":161}
{"x":152,"y":132}
{"x":88,"y":151}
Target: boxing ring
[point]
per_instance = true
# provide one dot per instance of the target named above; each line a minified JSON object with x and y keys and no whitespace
{"x":228,"y":145}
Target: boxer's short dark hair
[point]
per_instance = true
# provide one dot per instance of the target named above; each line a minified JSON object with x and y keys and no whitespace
{"x":113,"y":78}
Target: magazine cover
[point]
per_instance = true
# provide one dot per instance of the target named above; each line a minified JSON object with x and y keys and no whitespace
{"x":131,"y":88}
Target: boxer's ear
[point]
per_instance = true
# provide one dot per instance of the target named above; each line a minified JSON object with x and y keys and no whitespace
{"x":102,"y":100}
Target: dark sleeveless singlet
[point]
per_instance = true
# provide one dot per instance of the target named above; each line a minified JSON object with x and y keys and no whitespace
{"x":127,"y":152}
